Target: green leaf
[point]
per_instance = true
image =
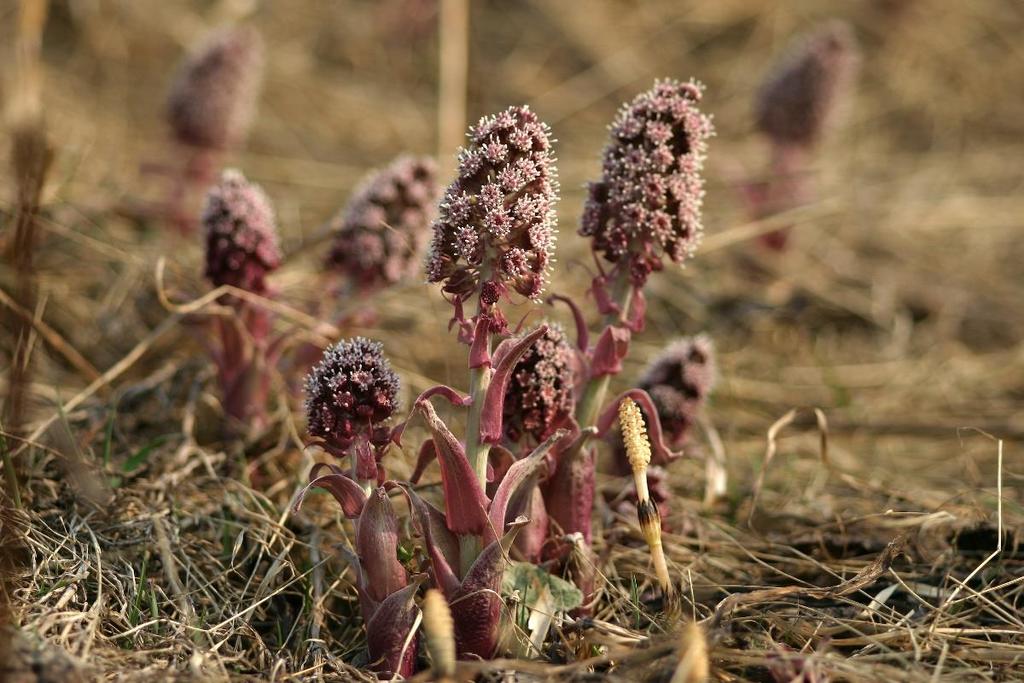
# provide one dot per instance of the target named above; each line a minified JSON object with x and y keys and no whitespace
{"x":141,"y":455}
{"x":530,"y":580}
{"x":108,"y":436}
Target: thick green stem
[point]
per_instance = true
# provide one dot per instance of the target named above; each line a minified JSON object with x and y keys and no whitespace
{"x":476,"y":452}
{"x":470,"y":547}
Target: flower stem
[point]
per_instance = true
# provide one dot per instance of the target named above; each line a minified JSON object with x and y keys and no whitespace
{"x":476,"y":452}
{"x":597,"y":388}
{"x":365,"y":484}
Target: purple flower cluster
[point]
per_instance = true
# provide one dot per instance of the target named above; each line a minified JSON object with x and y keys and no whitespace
{"x":213,"y":97}
{"x":679,"y":381}
{"x":351,"y":392}
{"x":540,"y":393}
{"x":496,"y":229}
{"x":648,"y":201}
{"x":241,"y":235}
{"x":800,"y":94}
{"x":380,"y":237}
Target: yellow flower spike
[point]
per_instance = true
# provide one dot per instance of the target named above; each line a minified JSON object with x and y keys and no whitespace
{"x":693,"y":666}
{"x":638,"y":452}
{"x":439,"y":632}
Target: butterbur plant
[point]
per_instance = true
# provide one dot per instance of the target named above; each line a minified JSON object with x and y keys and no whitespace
{"x":210,"y":105}
{"x":241,"y":251}
{"x":646,"y":207}
{"x":386,"y":594}
{"x":520,"y":480}
{"x":351,"y":394}
{"x":794,"y":108}
{"x":381,"y":235}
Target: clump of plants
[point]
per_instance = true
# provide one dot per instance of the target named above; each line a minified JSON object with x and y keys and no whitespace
{"x":518,"y":481}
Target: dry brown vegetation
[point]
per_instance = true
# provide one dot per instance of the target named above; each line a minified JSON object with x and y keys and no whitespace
{"x":143,"y":553}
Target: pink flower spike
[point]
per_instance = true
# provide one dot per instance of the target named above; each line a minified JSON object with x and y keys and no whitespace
{"x":213,"y":97}
{"x":800,"y":95}
{"x":241,"y":234}
{"x":679,"y":381}
{"x":464,"y":500}
{"x":541,"y":390}
{"x":381,"y":235}
{"x":612,"y":346}
{"x":350,"y":394}
{"x":347,"y":492}
{"x":647,"y":205}
{"x":582,"y":333}
{"x":388,"y":630}
{"x":506,"y":356}
{"x":661,"y":453}
{"x":497,"y":219}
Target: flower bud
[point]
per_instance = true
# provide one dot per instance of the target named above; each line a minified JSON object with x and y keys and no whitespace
{"x":496,"y":229}
{"x":351,"y":392}
{"x":241,"y":235}
{"x":380,"y":237}
{"x":213,"y":97}
{"x":647,"y":204}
